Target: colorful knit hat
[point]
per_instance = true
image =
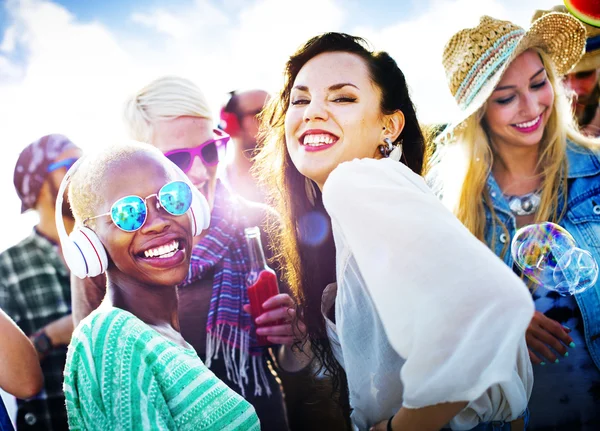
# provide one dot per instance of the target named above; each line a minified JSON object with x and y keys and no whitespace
{"x":31,"y":169}
{"x":591,"y":58}
{"x":475,"y":58}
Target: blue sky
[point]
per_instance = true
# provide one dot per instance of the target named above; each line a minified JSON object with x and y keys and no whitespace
{"x":117,"y":12}
{"x":67,"y":65}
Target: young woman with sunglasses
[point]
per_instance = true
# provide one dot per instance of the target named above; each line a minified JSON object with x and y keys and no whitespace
{"x":172,"y":114}
{"x":426,"y":322}
{"x":128,"y":366}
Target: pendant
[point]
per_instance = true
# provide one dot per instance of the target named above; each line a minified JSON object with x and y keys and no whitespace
{"x":524,"y":205}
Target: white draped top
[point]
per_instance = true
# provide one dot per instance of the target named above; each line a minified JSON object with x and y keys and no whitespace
{"x":424,"y":312}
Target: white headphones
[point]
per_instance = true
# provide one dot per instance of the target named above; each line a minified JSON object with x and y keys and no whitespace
{"x":82,"y":249}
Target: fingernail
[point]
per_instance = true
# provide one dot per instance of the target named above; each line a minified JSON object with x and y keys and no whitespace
{"x":258,"y":321}
{"x":557,"y":361}
{"x":566,"y":354}
{"x":572,"y":345}
{"x":566,"y":327}
{"x":542,"y":363}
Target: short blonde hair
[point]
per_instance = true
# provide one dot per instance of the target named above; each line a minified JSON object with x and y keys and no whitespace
{"x":163,"y":99}
{"x":92,"y":170}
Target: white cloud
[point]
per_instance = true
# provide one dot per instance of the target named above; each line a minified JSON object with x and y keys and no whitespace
{"x":73,"y":83}
{"x":77,"y":74}
{"x":184,"y":25}
{"x":243,"y":50}
{"x":417,"y":46}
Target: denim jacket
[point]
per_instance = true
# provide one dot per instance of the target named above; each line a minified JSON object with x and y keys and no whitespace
{"x":581,"y":220}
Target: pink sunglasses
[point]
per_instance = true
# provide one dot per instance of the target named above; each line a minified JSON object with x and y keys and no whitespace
{"x":207,"y":151}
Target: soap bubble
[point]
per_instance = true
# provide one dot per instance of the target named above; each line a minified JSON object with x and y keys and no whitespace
{"x":547,"y":254}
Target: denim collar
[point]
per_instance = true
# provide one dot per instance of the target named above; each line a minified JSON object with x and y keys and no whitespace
{"x":495,"y":193}
{"x":582,"y":161}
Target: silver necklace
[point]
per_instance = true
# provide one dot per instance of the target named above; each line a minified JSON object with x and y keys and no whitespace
{"x":525,"y":204}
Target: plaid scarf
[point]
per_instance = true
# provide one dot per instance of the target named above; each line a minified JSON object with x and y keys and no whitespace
{"x":229,"y":328}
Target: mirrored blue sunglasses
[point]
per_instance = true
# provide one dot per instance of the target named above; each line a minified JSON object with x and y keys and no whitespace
{"x":67,"y":163}
{"x":130,"y":212}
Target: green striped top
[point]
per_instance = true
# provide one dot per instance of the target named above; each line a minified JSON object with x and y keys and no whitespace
{"x":123,"y":375}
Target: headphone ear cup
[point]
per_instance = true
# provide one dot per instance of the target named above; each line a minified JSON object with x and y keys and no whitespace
{"x":74,"y":258}
{"x":85,"y":254}
{"x":229,"y":122}
{"x":200,"y":212}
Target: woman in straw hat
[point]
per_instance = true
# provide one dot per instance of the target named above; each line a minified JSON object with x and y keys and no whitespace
{"x":423,"y":336}
{"x":513,"y":158}
{"x":584,"y":79}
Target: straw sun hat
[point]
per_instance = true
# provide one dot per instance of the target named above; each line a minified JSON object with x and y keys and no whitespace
{"x":476,"y":58}
{"x":591,"y":58}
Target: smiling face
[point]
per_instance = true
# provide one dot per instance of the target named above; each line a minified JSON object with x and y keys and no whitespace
{"x":519,"y":108}
{"x":189,"y":132}
{"x":159,"y":252}
{"x":334,"y":115}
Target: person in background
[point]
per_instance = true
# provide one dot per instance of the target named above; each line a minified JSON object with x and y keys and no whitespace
{"x":239,"y":118}
{"x":515,"y":157}
{"x":20,"y":371}
{"x":584,"y":78}
{"x":34,"y":281}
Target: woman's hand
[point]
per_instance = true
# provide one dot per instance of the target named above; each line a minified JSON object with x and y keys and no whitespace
{"x":543,"y":334}
{"x":280,"y":311}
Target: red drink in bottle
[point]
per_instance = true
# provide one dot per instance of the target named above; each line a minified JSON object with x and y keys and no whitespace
{"x":261,"y":280}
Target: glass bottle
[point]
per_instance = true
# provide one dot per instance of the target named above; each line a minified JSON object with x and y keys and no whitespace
{"x":261,"y":280}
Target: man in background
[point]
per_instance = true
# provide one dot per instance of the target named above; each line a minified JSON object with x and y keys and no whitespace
{"x":584,"y":79}
{"x":34,"y":280}
{"x":239,"y":120}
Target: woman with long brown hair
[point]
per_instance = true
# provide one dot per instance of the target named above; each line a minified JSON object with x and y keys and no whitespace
{"x":418,"y":321}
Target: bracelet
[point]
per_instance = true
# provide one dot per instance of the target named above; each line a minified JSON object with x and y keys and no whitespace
{"x":389,"y":424}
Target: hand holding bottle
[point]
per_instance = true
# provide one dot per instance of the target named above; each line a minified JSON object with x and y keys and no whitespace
{"x":277,"y":322}
{"x":273,"y":312}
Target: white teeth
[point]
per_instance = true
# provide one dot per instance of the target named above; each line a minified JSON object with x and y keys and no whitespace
{"x":529,"y":123}
{"x":163,"y":251}
{"x":164,"y":256}
{"x":316,"y":140}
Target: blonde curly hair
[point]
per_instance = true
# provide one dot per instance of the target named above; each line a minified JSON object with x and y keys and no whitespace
{"x":92,"y":170}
